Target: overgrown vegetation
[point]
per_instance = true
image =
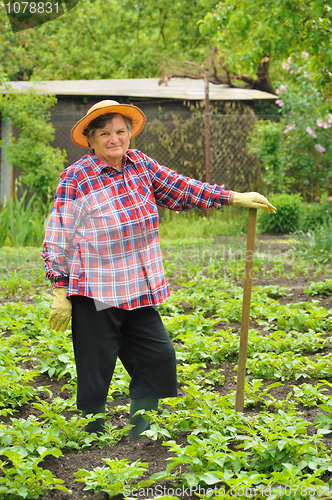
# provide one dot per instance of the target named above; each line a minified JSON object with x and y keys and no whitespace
{"x":135,"y":42}
{"x":30,"y":150}
{"x":296,"y":151}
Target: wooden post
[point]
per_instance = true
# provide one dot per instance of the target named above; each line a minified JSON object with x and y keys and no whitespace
{"x":241,"y":370}
{"x":6,"y":170}
{"x":207,"y":136}
{"x":207,"y":132}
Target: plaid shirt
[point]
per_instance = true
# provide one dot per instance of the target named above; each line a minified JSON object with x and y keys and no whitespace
{"x":102,"y":237}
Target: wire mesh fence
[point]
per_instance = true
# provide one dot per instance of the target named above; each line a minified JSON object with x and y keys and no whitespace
{"x":180,"y":145}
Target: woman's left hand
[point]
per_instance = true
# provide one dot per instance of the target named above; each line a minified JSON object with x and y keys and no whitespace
{"x":253,"y":200}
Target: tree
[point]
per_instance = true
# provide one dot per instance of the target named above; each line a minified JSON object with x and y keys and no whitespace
{"x":107,"y":39}
{"x":40,"y":163}
{"x":253,"y":34}
{"x":297,"y":151}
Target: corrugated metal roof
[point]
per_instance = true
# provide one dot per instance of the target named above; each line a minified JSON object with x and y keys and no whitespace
{"x":177,"y":88}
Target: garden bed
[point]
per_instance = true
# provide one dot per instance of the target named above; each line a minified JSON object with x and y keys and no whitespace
{"x":289,"y":331}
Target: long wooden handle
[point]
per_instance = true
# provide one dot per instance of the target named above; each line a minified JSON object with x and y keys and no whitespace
{"x":250,"y":250}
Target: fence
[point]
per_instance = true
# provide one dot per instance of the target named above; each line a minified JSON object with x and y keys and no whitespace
{"x":180,"y":145}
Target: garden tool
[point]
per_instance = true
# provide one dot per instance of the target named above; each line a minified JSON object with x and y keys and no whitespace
{"x":140,"y":425}
{"x":241,"y":370}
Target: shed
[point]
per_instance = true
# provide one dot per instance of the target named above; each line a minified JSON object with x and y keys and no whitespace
{"x":163,"y":101}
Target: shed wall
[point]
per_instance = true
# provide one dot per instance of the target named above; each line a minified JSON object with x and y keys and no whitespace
{"x":175,"y":142}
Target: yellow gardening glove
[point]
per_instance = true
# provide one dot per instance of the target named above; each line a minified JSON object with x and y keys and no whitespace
{"x":61,"y":310}
{"x":253,"y":200}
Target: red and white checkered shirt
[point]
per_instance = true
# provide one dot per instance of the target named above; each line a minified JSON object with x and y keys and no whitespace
{"x":102,"y":237}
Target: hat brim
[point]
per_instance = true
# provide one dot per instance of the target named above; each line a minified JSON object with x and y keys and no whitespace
{"x":137,"y":116}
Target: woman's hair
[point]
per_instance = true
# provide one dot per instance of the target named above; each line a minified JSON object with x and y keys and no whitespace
{"x":101,"y":121}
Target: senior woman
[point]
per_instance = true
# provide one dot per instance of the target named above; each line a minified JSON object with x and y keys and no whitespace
{"x":102,"y":255}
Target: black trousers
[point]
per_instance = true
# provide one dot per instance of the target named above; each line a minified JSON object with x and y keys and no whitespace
{"x":140,"y":340}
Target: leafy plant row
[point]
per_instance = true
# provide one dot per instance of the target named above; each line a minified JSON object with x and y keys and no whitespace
{"x":223,"y":447}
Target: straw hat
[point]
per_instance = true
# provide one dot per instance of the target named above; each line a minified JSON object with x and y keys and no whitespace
{"x":101,"y":108}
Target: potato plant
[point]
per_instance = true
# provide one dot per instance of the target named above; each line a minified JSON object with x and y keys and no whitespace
{"x":210,"y":444}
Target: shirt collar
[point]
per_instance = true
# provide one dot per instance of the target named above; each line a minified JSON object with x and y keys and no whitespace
{"x":131,"y":156}
{"x":98,"y":165}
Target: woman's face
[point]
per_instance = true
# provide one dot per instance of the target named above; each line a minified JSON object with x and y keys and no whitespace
{"x":111,"y":142}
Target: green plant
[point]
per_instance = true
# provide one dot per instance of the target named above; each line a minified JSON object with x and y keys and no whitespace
{"x":208,"y":460}
{"x":25,"y":479}
{"x":23,"y":219}
{"x":30,"y":435}
{"x":280,"y":440}
{"x":286,"y":219}
{"x":20,"y":259}
{"x":113,"y":479}
{"x":201,"y":412}
{"x":25,"y":444}
{"x":273,"y":291}
{"x":120,"y":381}
{"x":167,"y":424}
{"x":15,"y":390}
{"x":282,"y":366}
{"x":263,"y":450}
{"x":54,"y":355}
{"x":299,"y":145}
{"x":3,"y":224}
{"x":315,"y":245}
{"x":310,"y":395}
{"x":39,"y":162}
{"x":197,"y":371}
{"x":254,"y":393}
{"x":70,"y":429}
{"x":193,"y":228}
{"x":319,"y":287}
{"x":265,"y":142}
{"x":15,"y":283}
{"x":314,"y":215}
{"x":320,"y":366}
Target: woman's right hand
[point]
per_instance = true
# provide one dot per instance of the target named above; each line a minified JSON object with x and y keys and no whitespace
{"x":61,"y":310}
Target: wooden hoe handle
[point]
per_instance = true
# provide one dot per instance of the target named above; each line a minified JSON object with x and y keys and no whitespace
{"x":241,"y":371}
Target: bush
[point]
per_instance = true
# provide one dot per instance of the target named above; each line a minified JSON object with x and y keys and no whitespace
{"x":296,"y":152}
{"x":287,"y":218}
{"x":315,"y":214}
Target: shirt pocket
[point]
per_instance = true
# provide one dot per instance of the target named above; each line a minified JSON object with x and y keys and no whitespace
{"x":147,"y":197}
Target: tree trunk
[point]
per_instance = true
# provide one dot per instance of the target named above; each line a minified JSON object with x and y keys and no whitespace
{"x":263,"y":81}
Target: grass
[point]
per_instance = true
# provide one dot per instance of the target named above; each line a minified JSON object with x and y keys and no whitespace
{"x":315,"y":244}
{"x":194,"y":227}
